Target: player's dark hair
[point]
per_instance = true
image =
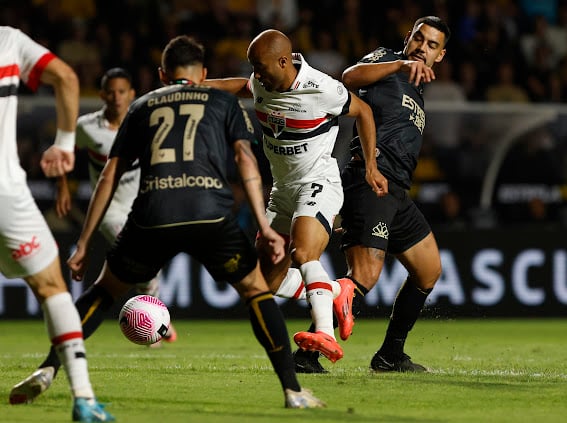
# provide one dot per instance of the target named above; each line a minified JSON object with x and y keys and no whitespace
{"x":113,"y":74}
{"x":437,"y":23}
{"x":182,"y":51}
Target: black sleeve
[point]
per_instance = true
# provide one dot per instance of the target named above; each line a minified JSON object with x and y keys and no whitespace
{"x":238,"y":123}
{"x":127,"y":143}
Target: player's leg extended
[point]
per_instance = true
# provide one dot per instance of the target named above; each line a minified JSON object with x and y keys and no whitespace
{"x":110,"y":226}
{"x":309,"y":238}
{"x":64,"y":329}
{"x":270,"y":329}
{"x":364,"y":268}
{"x":91,"y":306}
{"x":344,"y":290}
{"x":152,"y":288}
{"x":424,"y":267}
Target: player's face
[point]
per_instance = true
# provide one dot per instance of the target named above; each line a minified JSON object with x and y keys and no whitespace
{"x":268,"y":71}
{"x":117,"y":95}
{"x":425,"y":43}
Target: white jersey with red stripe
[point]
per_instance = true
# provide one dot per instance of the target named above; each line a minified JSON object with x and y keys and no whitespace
{"x":300,"y":125}
{"x":26,"y":244}
{"x":95,"y":135}
{"x":21,"y":59}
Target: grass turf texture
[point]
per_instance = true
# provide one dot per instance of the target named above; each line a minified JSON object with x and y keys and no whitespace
{"x":481,"y":371}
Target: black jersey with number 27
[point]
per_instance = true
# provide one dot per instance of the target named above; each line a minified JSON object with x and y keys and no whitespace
{"x":182,"y":135}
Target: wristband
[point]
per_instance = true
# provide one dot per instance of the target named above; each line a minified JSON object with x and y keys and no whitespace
{"x":65,"y":140}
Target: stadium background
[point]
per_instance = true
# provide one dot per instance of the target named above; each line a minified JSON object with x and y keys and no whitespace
{"x":491,"y":179}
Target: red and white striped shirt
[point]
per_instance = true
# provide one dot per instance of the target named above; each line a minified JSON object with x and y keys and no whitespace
{"x":300,"y":125}
{"x":21,"y":59}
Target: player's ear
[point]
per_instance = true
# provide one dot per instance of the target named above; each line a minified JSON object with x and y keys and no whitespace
{"x":406,"y":40}
{"x":203,"y":75}
{"x":132,"y":94}
{"x":440,"y":56}
{"x":162,"y":76}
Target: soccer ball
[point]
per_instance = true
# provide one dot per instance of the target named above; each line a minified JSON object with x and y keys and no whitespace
{"x":144,"y":319}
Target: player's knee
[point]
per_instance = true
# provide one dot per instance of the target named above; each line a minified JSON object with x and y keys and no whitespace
{"x":367,"y":275}
{"x":252,"y":284}
{"x":428,"y":280}
{"x":301,"y":256}
{"x":45,"y":284}
{"x":436,"y":272}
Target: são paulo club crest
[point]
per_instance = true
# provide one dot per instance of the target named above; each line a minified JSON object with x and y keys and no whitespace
{"x":276,"y":121}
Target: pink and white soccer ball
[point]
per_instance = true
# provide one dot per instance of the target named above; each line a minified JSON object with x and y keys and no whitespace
{"x":144,"y":319}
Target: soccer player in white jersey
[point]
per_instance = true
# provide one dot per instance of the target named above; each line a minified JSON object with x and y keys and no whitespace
{"x":298,"y":109}
{"x":27,"y":247}
{"x":95,"y":133}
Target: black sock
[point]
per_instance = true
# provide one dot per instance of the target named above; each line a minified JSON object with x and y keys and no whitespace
{"x":360,"y":292}
{"x":270,"y":330}
{"x":91,"y":306}
{"x":407,"y":307}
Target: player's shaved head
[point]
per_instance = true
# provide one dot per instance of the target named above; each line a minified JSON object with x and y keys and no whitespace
{"x":270,"y":42}
{"x":270,"y":55}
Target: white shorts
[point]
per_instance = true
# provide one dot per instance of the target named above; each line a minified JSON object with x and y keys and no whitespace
{"x":321,"y":199}
{"x":26,"y":244}
{"x":113,"y":221}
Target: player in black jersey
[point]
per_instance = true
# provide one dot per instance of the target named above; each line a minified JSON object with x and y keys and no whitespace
{"x":181,"y":134}
{"x":392,"y":84}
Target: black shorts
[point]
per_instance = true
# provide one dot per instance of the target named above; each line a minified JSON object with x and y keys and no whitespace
{"x":391,"y":223}
{"x":222,"y":247}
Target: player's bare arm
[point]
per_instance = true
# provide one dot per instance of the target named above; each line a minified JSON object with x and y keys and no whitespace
{"x":60,"y":157}
{"x":363,"y":74}
{"x":252,"y":184}
{"x":63,"y":197}
{"x":367,"y":132}
{"x":100,"y":200}
{"x":237,"y":86}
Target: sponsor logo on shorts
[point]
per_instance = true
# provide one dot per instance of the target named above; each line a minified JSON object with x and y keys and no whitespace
{"x":26,"y":249}
{"x":380,"y":230}
{"x":232,"y":264}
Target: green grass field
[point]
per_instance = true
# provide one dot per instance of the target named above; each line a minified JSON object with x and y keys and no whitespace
{"x":481,"y":371}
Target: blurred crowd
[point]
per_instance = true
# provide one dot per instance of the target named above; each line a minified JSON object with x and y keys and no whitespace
{"x":500,"y":50}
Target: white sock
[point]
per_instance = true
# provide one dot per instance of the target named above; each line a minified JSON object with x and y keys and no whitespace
{"x":320,"y":295}
{"x":64,"y":330}
{"x":292,"y":286}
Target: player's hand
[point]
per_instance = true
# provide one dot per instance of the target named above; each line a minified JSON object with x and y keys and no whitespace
{"x":78,"y":262}
{"x":63,"y":201}
{"x":418,"y":72}
{"x":377,"y":181}
{"x":272,"y":244}
{"x":57,"y":162}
